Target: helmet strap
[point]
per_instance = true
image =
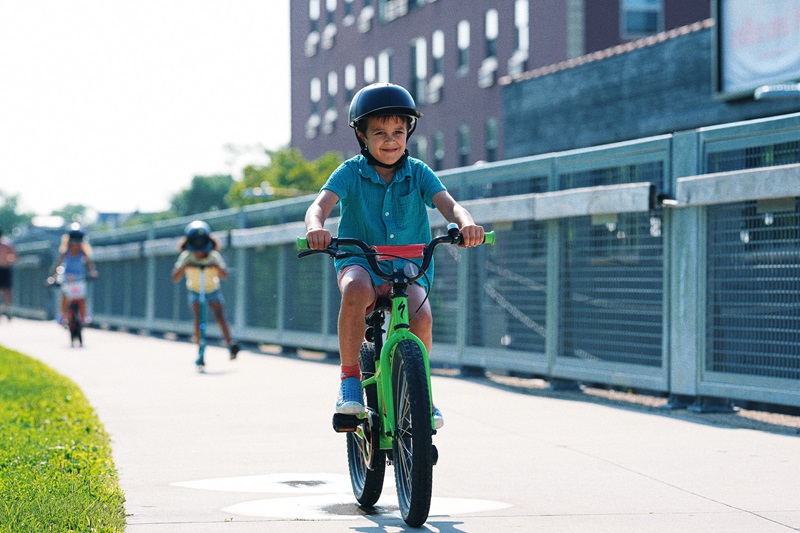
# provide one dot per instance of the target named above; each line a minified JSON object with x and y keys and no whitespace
{"x":374,"y":162}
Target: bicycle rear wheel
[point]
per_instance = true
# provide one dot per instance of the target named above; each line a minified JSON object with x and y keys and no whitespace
{"x":75,"y":325}
{"x":412,"y":446}
{"x":365,"y":460}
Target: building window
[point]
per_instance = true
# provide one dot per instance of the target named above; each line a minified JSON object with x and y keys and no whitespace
{"x":313,"y":14}
{"x":349,"y":13}
{"x":349,"y":83}
{"x":462,"y":38}
{"x":463,"y":145}
{"x":487,"y":73}
{"x":438,"y":150}
{"x":370,"y":70}
{"x":576,"y":29}
{"x":332,"y":113}
{"x":436,"y":83}
{"x":329,"y":33}
{"x":491,"y":140}
{"x":385,"y":66}
{"x":419,"y":70}
{"x":313,"y":38}
{"x":314,"y":120}
{"x":388,"y":10}
{"x":365,"y":17}
{"x":640,"y":18}
{"x":517,"y":64}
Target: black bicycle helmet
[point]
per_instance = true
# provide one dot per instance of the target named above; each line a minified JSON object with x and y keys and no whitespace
{"x":75,"y":232}
{"x":383,"y":99}
{"x":198,"y":237}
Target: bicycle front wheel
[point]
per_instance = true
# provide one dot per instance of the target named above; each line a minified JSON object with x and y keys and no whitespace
{"x":365,"y":459}
{"x":412,"y":446}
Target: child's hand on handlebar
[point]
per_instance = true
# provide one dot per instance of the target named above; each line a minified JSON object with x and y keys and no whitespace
{"x":472,"y":235}
{"x":318,"y":239}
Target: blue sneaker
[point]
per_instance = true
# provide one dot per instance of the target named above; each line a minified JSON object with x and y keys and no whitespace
{"x":351,"y":397}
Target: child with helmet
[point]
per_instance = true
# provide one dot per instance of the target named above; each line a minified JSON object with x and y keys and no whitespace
{"x":200,"y":248}
{"x":75,"y":257}
{"x":383,"y":195}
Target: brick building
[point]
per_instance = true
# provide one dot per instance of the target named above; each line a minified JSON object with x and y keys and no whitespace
{"x":450,"y":54}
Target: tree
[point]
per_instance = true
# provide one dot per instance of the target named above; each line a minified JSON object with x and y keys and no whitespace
{"x":286,"y":175}
{"x":10,"y":218}
{"x":71,"y":213}
{"x":206,"y":193}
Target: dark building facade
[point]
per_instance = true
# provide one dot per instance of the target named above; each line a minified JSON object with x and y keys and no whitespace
{"x":451,"y":55}
{"x":658,"y":85}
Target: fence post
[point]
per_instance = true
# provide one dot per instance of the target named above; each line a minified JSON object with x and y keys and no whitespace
{"x":685,"y":241}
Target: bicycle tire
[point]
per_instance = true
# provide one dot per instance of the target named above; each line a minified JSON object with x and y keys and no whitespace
{"x":412,"y":446}
{"x":365,"y":460}
{"x":75,"y":325}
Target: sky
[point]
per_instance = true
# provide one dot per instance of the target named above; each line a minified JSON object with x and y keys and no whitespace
{"x":117,"y":104}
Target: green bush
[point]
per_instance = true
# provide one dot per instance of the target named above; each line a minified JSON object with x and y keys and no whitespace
{"x":56,"y":471}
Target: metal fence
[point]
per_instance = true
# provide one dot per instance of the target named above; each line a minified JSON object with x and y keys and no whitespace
{"x":670,"y":264}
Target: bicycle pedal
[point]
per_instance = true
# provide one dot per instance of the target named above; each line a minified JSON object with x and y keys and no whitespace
{"x":345,"y":423}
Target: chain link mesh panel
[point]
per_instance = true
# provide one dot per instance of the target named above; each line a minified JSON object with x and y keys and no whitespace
{"x":262,"y":283}
{"x":754,"y":290}
{"x":753,"y":274}
{"x":611,"y":284}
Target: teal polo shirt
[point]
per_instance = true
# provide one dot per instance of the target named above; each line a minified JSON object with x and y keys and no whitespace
{"x":384,"y":214}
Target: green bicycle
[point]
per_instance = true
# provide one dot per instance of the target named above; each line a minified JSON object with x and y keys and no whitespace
{"x":398,"y":423}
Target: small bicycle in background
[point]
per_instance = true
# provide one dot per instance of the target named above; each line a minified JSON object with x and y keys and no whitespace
{"x":74,"y":290}
{"x":398,"y":421}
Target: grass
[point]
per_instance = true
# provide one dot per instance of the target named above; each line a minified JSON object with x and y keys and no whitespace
{"x":56,"y":471}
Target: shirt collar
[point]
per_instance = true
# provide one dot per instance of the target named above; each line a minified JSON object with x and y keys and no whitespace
{"x":368,"y":171}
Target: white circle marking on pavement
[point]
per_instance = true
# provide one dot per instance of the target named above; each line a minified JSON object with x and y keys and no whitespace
{"x":331,"y":498}
{"x":274,"y":484}
{"x":344,"y":507}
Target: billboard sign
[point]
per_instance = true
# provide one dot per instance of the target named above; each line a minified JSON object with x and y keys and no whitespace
{"x":757,"y":43}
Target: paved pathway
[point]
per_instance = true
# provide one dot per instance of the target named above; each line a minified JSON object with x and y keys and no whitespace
{"x":248,"y":447}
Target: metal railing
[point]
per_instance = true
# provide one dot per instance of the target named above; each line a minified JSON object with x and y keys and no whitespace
{"x":670,"y":264}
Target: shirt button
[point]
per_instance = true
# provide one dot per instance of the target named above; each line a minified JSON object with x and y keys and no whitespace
{"x":386,"y":214}
{"x":391,"y":236}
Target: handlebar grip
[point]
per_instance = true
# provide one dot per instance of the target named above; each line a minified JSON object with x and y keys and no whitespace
{"x":302,"y":243}
{"x":488,"y":237}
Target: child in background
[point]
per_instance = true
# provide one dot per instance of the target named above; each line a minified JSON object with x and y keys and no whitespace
{"x":74,"y":259}
{"x":199,"y":247}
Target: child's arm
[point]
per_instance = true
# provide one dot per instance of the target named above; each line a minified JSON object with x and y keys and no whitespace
{"x":219,"y":265}
{"x":318,"y":237}
{"x":452,"y":211}
{"x":180,"y":266}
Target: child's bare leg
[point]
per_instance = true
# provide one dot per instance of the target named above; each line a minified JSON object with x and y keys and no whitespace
{"x":422,"y":320}
{"x":196,"y":313}
{"x":219,"y":316}
{"x":357,"y":294}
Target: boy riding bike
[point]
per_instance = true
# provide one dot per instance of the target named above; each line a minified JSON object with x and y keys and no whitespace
{"x":383,"y":195}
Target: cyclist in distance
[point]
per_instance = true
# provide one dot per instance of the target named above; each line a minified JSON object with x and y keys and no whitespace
{"x":200,"y":248}
{"x":383,"y":194}
{"x":8,"y":256}
{"x":75,"y":256}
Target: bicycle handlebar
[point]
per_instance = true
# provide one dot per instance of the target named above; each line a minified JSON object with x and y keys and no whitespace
{"x":453,"y":236}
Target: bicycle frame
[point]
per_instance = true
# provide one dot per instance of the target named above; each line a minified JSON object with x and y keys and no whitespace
{"x":398,"y":331}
